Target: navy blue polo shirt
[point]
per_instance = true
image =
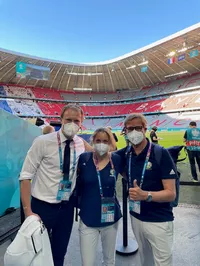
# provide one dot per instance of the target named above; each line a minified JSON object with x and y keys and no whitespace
{"x":151,"y":211}
{"x":90,"y":204}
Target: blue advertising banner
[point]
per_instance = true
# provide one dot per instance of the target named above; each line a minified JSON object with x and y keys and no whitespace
{"x":181,"y":57}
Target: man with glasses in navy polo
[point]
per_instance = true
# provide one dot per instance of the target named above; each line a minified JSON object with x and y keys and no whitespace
{"x":151,"y":189}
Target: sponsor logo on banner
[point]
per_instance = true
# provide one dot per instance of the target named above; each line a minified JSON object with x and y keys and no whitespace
{"x":194,"y":53}
{"x":181,"y":57}
{"x":171,"y":60}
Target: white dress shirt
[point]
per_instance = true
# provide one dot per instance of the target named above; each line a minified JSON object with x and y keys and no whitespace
{"x":42,"y":165}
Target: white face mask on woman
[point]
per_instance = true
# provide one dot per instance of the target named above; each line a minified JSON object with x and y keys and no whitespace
{"x":70,"y":129}
{"x":101,"y":148}
{"x":135,"y":137}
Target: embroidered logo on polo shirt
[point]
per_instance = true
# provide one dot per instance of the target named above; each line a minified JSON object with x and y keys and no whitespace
{"x":172,"y":172}
{"x":149,"y":166}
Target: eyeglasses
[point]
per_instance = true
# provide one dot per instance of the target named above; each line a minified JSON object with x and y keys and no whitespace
{"x":137,"y":128}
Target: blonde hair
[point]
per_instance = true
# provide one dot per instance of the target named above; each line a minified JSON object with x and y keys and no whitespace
{"x":136,"y":116}
{"x":100,"y":130}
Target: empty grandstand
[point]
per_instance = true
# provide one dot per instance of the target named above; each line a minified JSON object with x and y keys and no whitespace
{"x":168,"y":94}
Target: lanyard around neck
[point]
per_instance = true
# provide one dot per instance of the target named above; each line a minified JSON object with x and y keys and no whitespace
{"x":66,"y":177}
{"x":96,"y":162}
{"x":144,"y":167}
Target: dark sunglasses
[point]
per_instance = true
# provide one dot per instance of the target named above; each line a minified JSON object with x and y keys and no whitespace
{"x":137,"y":128}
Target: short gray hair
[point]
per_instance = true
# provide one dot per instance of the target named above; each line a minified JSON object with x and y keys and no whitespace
{"x":136,"y":116}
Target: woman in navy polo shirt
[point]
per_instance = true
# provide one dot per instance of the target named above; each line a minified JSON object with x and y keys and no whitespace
{"x":99,"y":207}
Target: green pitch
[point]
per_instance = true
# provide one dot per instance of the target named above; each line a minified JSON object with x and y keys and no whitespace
{"x":169,"y":138}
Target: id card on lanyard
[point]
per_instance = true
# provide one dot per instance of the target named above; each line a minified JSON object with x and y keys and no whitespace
{"x":107,"y":203}
{"x":65,"y":185}
{"x":135,"y":206}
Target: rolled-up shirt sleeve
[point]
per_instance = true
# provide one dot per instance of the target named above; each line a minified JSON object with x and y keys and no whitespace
{"x":33,"y":159}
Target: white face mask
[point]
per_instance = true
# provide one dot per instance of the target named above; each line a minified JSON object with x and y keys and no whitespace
{"x":135,"y":137}
{"x":70,"y":129}
{"x":101,"y":148}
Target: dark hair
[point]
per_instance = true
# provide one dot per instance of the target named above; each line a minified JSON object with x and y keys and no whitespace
{"x":193,"y":124}
{"x":154,"y":128}
{"x":73,"y":107}
{"x":99,"y":130}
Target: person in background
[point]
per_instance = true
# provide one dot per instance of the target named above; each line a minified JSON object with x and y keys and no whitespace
{"x":51,"y":164}
{"x":153,"y":136}
{"x":151,"y":191}
{"x":99,"y":207}
{"x":192,"y":140}
{"x":47,"y":129}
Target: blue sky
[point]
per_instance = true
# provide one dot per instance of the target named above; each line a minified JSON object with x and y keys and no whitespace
{"x":90,"y":31}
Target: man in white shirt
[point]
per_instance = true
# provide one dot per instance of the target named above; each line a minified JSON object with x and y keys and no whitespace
{"x":52,"y":183}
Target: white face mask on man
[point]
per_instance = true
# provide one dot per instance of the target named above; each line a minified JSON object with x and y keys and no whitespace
{"x":101,"y":148}
{"x":70,"y":129}
{"x":135,"y":137}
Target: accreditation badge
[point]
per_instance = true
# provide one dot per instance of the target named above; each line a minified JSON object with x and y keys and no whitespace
{"x":112,"y":172}
{"x":107,"y":210}
{"x":64,"y":190}
{"x":135,"y":206}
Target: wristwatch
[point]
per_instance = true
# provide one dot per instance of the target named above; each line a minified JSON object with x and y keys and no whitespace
{"x":149,"y":197}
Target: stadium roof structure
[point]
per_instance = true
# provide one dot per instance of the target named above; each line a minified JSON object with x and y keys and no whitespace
{"x":146,"y":66}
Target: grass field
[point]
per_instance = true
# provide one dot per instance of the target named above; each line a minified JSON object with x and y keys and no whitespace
{"x":169,"y":138}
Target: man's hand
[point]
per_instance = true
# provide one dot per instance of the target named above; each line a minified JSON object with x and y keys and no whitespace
{"x":136,"y":193}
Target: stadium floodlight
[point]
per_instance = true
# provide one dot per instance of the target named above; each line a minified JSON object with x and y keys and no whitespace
{"x":172,"y":53}
{"x":133,"y":66}
{"x":84,"y":74}
{"x":143,"y":63}
{"x":182,"y":50}
{"x":176,"y":74}
{"x":185,"y":48}
{"x":82,"y":89}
